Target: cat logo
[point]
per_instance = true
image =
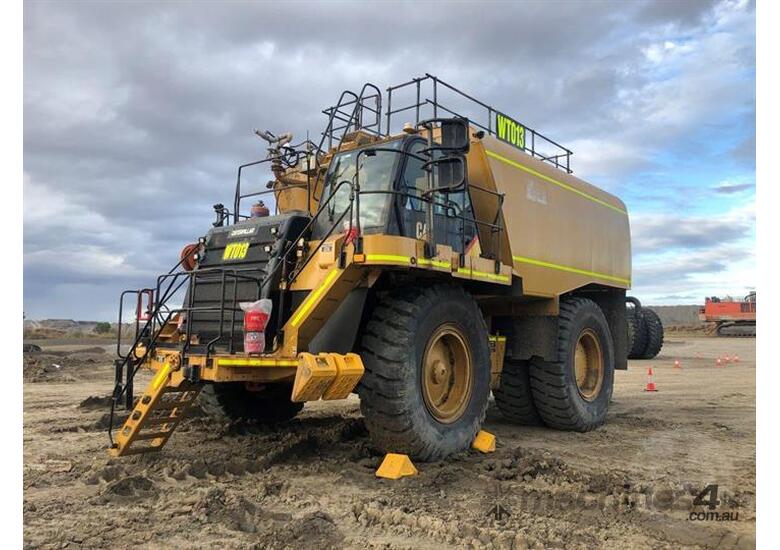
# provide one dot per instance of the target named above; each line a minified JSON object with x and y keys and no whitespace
{"x":236,"y":251}
{"x":510,"y":131}
{"x":421,"y":230}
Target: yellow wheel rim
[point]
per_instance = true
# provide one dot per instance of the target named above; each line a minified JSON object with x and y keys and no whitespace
{"x":447,"y":374}
{"x":588,"y":365}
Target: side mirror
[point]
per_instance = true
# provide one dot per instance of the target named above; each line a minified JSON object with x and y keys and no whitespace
{"x":450,"y":174}
{"x":455,"y":134}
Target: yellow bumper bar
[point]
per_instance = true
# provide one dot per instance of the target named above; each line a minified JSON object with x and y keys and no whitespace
{"x":327,"y":376}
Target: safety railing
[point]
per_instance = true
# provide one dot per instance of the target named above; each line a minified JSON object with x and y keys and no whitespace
{"x":224,"y":215}
{"x":342,"y":120}
{"x":483,"y":117}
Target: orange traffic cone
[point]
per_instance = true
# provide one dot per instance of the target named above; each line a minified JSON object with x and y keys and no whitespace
{"x":718,"y":362}
{"x":650,"y":384}
{"x":727,"y":359}
{"x":736,"y":358}
{"x":677,"y":364}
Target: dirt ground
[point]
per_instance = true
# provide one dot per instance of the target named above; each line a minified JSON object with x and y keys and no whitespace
{"x":311,"y":484}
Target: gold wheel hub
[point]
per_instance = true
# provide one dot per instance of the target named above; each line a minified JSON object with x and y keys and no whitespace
{"x":447,"y":374}
{"x":588,"y":365}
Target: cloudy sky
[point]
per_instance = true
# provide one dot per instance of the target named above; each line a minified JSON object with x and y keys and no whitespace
{"x":136,"y":116}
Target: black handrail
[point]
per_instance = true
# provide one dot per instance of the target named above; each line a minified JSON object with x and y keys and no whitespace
{"x":560,"y":152}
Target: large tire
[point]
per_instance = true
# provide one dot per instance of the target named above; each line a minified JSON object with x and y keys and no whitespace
{"x":234,"y":402}
{"x":513,"y":395}
{"x":398,"y":392}
{"x":654,"y":330}
{"x":637,"y":332}
{"x":563,"y":403}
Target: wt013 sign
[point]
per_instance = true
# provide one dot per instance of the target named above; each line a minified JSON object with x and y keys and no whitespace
{"x":510,"y":131}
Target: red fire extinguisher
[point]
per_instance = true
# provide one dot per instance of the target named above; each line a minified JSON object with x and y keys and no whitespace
{"x":256,"y":316}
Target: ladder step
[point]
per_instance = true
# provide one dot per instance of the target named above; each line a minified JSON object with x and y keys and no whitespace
{"x":153,"y":435}
{"x":173,"y":405}
{"x":180,"y":389}
{"x":163,"y":420}
{"x":160,"y":424}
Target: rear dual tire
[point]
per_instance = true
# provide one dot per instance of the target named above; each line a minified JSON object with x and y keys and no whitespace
{"x":655,"y":334}
{"x":645,"y":333}
{"x":637,"y":332}
{"x":573,"y":393}
{"x":514,"y":396}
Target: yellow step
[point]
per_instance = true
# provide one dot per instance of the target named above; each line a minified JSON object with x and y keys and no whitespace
{"x":166,"y":382}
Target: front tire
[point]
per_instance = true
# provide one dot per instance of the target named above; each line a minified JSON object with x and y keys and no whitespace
{"x":234,"y":401}
{"x":427,"y":372}
{"x":573,"y":393}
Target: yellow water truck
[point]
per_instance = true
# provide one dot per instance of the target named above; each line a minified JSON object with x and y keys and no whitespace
{"x":421,"y":268}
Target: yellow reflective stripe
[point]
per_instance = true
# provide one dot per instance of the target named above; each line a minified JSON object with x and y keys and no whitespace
{"x":405,"y":260}
{"x":313,"y":296}
{"x":540,"y":263}
{"x":434,"y":263}
{"x":161,"y":375}
{"x":256,"y":362}
{"x":388,"y":258}
{"x":474,"y":272}
{"x":497,"y":338}
{"x":554,"y":181}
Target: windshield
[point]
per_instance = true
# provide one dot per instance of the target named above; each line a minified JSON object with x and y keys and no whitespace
{"x":376,"y":174}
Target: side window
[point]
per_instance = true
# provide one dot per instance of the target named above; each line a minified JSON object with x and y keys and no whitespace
{"x":415,"y":180}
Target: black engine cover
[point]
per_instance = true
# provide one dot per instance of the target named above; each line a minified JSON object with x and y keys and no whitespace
{"x":237,"y":262}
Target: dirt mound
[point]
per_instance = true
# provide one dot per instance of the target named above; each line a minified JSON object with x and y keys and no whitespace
{"x":95,"y":402}
{"x":62,"y":366}
{"x":40,"y":367}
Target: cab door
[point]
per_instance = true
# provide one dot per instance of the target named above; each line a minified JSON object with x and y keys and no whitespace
{"x":453,"y":215}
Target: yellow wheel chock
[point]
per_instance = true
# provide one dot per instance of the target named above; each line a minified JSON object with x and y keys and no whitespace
{"x":396,"y":466}
{"x":485,"y":442}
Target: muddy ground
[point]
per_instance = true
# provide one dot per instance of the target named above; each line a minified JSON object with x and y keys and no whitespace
{"x":311,"y":484}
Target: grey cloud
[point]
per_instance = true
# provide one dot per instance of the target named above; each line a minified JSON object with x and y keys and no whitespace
{"x":703,"y":271}
{"x":137,"y":114}
{"x":683,"y":12}
{"x":731,"y":188}
{"x":745,"y":151}
{"x":663,"y":233}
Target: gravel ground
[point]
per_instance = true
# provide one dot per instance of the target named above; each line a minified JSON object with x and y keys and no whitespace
{"x":311,"y":483}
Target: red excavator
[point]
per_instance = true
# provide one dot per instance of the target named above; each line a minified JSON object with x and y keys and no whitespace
{"x":730,"y":317}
